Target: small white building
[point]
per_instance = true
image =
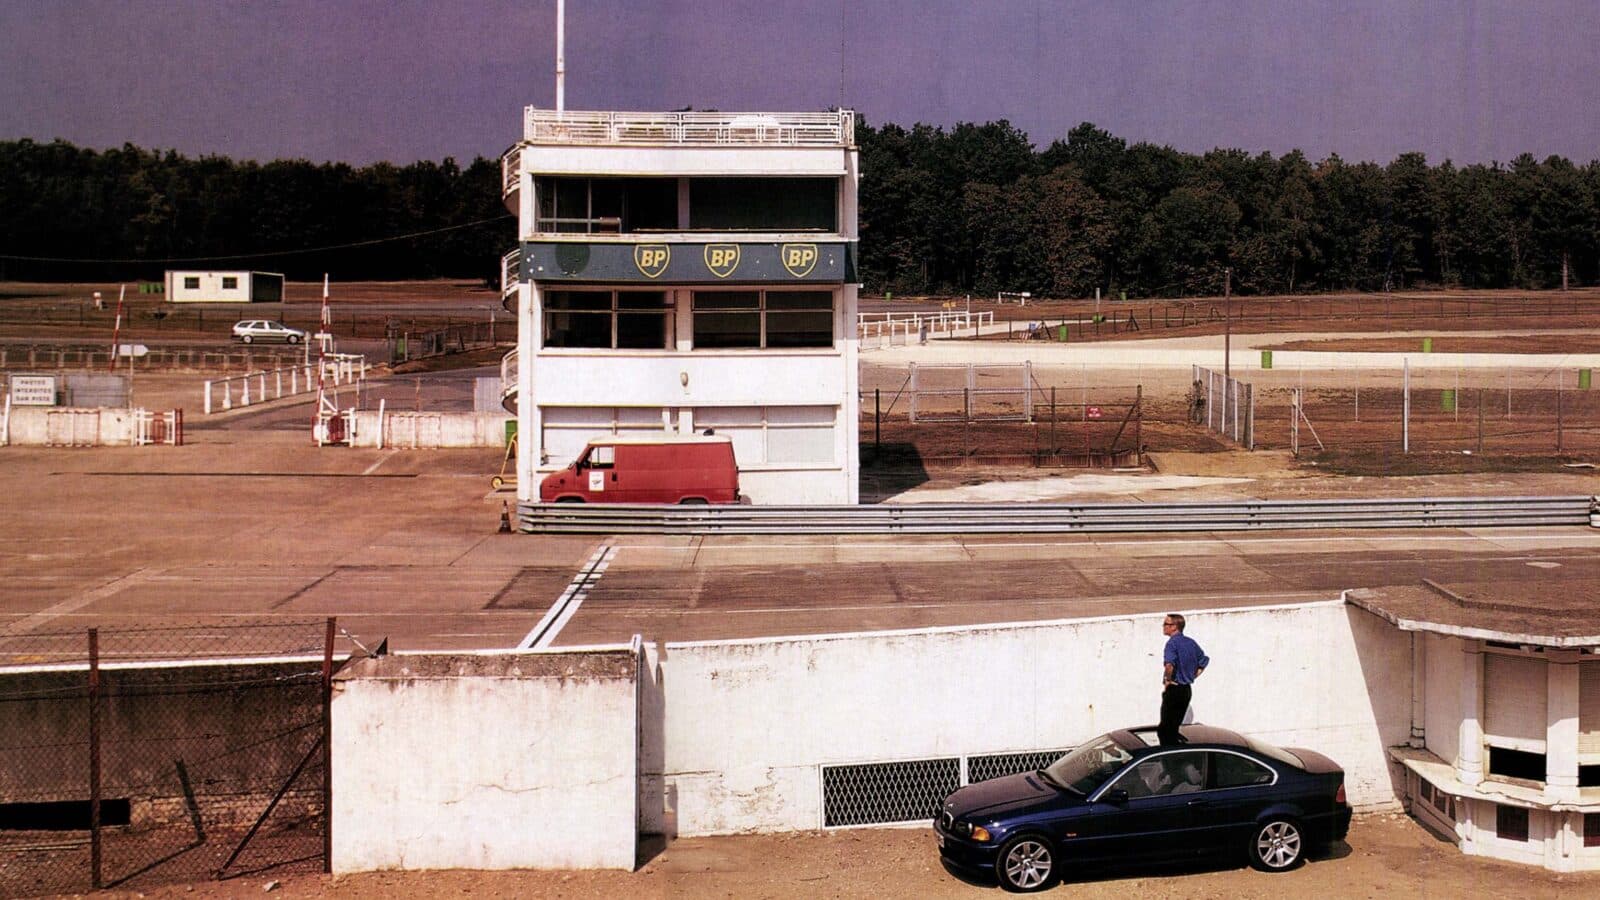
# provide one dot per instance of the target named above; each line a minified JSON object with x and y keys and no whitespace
{"x":683,"y":271}
{"x":224,"y":287}
{"x":1504,"y":756}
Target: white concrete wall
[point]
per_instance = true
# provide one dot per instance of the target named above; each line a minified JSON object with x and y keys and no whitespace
{"x":715,"y":378}
{"x":430,"y":430}
{"x":69,"y":426}
{"x":493,"y":761}
{"x":1446,"y":665}
{"x":734,"y":731}
{"x":579,"y":159}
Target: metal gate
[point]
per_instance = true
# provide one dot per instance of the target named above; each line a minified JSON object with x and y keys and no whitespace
{"x":122,"y":768}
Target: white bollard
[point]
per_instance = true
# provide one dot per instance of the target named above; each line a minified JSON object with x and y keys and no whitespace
{"x":208,"y":397}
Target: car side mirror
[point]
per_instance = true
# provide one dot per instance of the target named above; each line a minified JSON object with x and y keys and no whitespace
{"x":1117,"y":797}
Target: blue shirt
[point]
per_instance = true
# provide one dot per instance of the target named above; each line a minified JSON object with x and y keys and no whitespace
{"x":1185,"y":657}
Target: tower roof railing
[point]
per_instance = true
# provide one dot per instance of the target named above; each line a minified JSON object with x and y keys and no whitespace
{"x":755,"y":129}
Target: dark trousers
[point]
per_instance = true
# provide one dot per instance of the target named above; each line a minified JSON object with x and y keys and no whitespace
{"x":1174,"y":703}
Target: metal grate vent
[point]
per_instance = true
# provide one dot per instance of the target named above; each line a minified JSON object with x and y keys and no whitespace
{"x":983,"y":768}
{"x":879,"y":793}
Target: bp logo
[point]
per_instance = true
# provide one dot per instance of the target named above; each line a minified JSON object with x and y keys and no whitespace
{"x":799,"y":259}
{"x":722,"y":259}
{"x":652,"y":259}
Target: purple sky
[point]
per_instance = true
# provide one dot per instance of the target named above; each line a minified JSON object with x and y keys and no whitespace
{"x":362,"y":80}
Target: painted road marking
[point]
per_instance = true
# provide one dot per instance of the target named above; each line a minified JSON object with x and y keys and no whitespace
{"x":67,"y":607}
{"x":567,"y":604}
{"x":381,"y":460}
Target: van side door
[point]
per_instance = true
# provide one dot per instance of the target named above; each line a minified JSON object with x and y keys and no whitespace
{"x":600,"y":475}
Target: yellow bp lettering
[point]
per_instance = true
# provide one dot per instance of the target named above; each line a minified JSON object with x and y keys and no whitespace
{"x":722,"y":258}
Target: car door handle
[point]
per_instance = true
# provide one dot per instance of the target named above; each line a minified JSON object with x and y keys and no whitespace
{"x":1198,"y":804}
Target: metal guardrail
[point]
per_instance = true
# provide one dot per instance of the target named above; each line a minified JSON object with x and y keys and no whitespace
{"x":783,"y":129}
{"x":1044,"y":518}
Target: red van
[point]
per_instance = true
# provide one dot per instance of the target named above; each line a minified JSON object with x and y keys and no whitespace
{"x":655,"y":469}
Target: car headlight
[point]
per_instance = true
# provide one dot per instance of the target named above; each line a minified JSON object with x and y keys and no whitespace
{"x":975,"y":832}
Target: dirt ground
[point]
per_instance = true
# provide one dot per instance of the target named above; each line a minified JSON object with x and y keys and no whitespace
{"x":1387,"y":855}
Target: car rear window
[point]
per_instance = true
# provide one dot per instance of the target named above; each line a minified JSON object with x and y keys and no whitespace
{"x":1274,"y":752}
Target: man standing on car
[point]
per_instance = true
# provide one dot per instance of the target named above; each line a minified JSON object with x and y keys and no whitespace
{"x":1182,"y":663}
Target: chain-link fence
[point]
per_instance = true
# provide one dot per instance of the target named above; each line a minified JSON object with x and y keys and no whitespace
{"x":138,"y":756}
{"x":1529,"y":413}
{"x":1043,"y":425}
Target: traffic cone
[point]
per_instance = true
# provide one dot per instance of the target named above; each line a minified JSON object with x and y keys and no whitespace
{"x":505,"y":517}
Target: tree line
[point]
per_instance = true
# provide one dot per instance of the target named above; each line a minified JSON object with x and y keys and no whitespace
{"x":134,"y":213}
{"x":970,"y":209}
{"x":976,"y":209}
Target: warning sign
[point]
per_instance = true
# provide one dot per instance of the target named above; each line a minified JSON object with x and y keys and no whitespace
{"x":1092,"y":412}
{"x":33,"y":390}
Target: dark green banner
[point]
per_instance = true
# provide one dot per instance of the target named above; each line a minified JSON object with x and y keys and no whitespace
{"x":679,"y":263}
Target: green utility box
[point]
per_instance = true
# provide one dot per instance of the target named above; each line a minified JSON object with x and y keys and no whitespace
{"x":1583,"y":379}
{"x":1447,"y":400}
{"x":1266,"y":359}
{"x":1427,"y":345}
{"x":1063,"y":333}
{"x":1123,"y":295}
{"x":511,"y":431}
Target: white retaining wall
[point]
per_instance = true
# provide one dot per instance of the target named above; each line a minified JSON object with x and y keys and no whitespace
{"x":429,"y":430}
{"x":733,"y":732}
{"x":492,"y":761}
{"x":63,"y":426}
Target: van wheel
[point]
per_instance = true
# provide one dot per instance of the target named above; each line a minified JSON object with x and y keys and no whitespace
{"x":692,"y":501}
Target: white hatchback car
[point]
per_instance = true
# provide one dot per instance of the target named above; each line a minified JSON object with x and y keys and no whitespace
{"x":252,"y":330}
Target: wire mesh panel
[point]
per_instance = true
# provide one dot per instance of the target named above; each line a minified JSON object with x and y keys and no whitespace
{"x":877,"y":793}
{"x":983,"y":768}
{"x":143,"y":756}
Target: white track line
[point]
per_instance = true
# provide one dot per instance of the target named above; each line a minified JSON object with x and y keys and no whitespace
{"x":561,"y":612}
{"x":67,"y":607}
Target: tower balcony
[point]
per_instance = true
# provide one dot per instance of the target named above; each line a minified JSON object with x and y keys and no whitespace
{"x":705,"y":129}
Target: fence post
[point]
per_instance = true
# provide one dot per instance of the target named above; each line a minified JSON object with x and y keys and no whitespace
{"x":1405,"y":406}
{"x":1138,"y":425}
{"x":327,"y":748}
{"x":1055,"y":448}
{"x":1561,"y":379}
{"x":94,"y":759}
{"x":1480,"y":421}
{"x":877,"y":422}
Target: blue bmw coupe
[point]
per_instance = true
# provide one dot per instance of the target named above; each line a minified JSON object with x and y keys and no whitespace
{"x":1122,"y":796}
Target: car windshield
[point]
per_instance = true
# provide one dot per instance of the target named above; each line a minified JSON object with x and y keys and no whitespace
{"x":1088,"y":767}
{"x":1277,"y":753}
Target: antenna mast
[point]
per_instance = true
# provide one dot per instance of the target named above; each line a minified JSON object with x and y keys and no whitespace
{"x":561,"y":56}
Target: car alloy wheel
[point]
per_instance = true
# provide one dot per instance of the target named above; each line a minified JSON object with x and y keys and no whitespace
{"x":1277,"y":846}
{"x":294,"y":338}
{"x":1025,"y":864}
{"x":247,"y":339}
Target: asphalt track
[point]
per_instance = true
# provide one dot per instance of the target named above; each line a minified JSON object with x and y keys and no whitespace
{"x":248,"y":525}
